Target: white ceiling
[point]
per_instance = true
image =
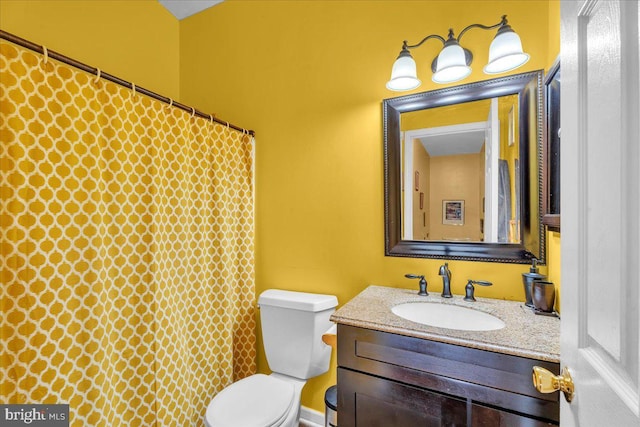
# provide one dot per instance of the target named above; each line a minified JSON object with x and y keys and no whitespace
{"x":184,"y":8}
{"x":466,"y":142}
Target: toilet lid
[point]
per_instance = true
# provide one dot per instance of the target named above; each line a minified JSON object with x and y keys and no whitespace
{"x":256,"y":401}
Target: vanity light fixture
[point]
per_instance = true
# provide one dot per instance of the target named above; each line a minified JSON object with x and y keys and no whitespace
{"x":453,"y":62}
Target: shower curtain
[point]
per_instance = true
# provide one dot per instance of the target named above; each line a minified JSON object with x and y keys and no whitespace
{"x":127,"y":249}
{"x":504,"y":202}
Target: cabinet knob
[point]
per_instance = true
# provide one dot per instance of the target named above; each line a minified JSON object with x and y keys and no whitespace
{"x":546,"y":382}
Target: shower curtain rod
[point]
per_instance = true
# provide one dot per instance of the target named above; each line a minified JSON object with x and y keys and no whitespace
{"x":97,"y":72}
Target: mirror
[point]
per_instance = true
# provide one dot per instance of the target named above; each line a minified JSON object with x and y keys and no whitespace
{"x":463,"y":171}
{"x":551,"y":155}
{"x":463,"y":167}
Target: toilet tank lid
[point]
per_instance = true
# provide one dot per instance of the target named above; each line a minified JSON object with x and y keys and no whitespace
{"x":297,"y":300}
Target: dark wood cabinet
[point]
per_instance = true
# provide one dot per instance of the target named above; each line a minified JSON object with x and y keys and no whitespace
{"x":392,"y":380}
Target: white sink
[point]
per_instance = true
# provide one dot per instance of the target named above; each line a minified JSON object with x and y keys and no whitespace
{"x":448,"y":316}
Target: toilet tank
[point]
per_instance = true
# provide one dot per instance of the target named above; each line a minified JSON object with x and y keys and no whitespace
{"x":292,"y":328}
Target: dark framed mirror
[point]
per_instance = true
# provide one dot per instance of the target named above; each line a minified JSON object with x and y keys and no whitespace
{"x":551,"y":154}
{"x":463,"y":171}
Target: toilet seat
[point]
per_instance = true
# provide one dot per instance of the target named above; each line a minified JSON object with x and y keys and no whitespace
{"x":256,"y":401}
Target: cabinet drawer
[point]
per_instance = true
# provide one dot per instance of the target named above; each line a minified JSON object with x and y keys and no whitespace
{"x":488,"y":378}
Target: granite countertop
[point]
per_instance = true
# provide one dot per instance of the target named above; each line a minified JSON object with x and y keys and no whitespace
{"x":525,"y":334}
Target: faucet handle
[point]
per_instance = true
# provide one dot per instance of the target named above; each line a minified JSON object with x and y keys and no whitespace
{"x":422,"y":284}
{"x":469,"y":289}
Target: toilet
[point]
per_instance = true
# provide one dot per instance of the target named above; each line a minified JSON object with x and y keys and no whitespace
{"x":292,"y":328}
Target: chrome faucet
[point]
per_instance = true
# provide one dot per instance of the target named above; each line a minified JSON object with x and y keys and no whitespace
{"x":446,"y":280}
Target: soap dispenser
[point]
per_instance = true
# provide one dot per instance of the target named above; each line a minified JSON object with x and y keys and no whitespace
{"x":528,"y":279}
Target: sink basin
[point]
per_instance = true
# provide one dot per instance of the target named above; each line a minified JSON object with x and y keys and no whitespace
{"x":448,"y":316}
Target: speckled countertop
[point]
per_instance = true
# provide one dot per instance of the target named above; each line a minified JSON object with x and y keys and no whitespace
{"x":525,"y":334}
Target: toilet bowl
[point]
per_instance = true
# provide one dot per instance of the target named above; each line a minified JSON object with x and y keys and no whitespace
{"x":292,"y":328}
{"x":257,"y":401}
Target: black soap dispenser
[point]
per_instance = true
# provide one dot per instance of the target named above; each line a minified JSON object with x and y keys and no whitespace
{"x":527,"y":280}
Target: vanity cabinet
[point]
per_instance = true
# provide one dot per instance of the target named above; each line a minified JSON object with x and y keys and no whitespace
{"x":391,"y":380}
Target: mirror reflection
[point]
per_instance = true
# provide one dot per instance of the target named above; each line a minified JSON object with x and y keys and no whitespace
{"x":462,"y":171}
{"x":461,"y":162}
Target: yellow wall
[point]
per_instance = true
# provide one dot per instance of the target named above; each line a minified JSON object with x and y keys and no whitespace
{"x":554,"y":32}
{"x":309,"y":77}
{"x":455,"y":178}
{"x":450,"y":115}
{"x":136,"y":40}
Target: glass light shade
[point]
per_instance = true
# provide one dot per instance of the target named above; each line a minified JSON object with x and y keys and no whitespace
{"x":505,"y":53}
{"x":451,"y":65}
{"x":403,"y":74}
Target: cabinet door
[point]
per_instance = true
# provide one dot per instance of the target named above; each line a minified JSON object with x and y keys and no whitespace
{"x":482,"y":416}
{"x":366,"y":401}
{"x":487,"y":378}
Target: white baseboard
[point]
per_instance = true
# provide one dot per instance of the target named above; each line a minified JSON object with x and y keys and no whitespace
{"x":311,"y":418}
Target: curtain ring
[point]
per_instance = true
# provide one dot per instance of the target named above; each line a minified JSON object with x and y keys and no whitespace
{"x":98,"y":73}
{"x":133,"y":88}
{"x":170,"y":102}
{"x":193,"y":112}
{"x":45,"y":52}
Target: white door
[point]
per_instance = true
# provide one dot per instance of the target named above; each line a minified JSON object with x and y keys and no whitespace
{"x":600,"y":212}
{"x":491,"y":154}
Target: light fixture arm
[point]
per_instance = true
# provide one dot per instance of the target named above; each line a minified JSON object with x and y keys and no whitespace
{"x":502,"y":22}
{"x":405,"y":45}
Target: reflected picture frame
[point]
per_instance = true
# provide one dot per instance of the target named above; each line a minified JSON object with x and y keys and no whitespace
{"x":453,"y":212}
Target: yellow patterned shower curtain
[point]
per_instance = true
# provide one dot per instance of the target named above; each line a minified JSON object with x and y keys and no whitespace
{"x":127,"y":249}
